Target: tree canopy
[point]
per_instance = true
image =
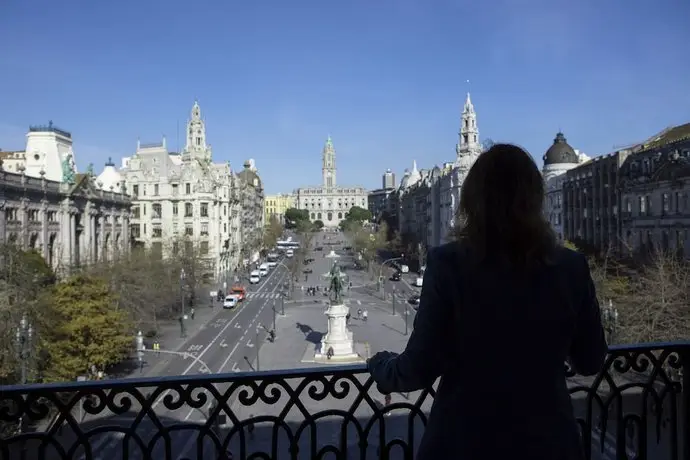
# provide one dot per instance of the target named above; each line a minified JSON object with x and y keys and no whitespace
{"x":367,"y":242}
{"x":272,"y":232}
{"x":294,"y":216}
{"x":89,"y":329}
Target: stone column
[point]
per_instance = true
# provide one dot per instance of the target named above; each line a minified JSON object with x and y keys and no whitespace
{"x":3,"y":221}
{"x":24,"y":220}
{"x":44,"y":230}
{"x":73,"y":238}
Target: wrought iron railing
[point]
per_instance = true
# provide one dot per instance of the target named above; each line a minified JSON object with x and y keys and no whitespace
{"x":638,"y":407}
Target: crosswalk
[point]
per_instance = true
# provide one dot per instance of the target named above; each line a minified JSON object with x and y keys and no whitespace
{"x":263,"y":295}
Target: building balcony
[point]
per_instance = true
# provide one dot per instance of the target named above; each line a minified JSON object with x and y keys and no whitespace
{"x":637,"y":407}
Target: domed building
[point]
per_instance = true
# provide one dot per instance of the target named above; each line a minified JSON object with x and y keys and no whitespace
{"x":110,"y":179}
{"x":558,"y":159}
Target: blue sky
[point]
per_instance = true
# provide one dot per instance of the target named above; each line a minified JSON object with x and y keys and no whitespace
{"x":386,"y":78}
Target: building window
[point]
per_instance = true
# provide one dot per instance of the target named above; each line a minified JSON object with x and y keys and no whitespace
{"x":188,"y":210}
{"x":204,"y":209}
{"x":175,"y":248}
{"x":135,"y":190}
{"x":665,"y":202}
{"x":188,"y":188}
{"x":318,"y":216}
{"x":157,"y":210}
{"x":225,"y":210}
{"x":313,"y":216}
{"x":340,"y":215}
{"x":135,"y":230}
{"x":189,"y":230}
{"x":175,"y":189}
{"x":136,"y":212}
{"x":155,"y":189}
{"x":157,"y":231}
{"x":225,"y":228}
{"x":204,"y":229}
{"x":203,"y":248}
{"x":143,"y":190}
{"x":143,"y":209}
{"x":174,"y":209}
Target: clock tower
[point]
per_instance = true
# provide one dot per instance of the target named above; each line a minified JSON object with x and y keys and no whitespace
{"x":328,"y":166}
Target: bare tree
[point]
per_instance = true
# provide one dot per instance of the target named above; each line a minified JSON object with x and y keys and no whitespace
{"x":659,"y":307}
{"x":272,"y":232}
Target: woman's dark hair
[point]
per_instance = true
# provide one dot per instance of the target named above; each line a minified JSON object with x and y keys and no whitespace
{"x":501,"y":209}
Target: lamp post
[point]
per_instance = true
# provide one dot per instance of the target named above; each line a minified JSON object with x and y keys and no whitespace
{"x":407,"y":312}
{"x":258,"y":366}
{"x":183,"y":332}
{"x":393,"y":295}
{"x":140,"y":350}
{"x":283,"y":294}
{"x":274,"y":314}
{"x":610,"y":317}
{"x":24,"y":337}
{"x":24,"y":340}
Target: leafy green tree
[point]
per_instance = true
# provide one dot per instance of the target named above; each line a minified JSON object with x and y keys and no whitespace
{"x":318,"y":224}
{"x":24,"y":277}
{"x":89,"y":329}
{"x":294,"y":216}
{"x":272,"y":232}
{"x":367,"y":242}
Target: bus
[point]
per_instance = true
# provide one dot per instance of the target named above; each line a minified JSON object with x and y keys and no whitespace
{"x":287,"y":244}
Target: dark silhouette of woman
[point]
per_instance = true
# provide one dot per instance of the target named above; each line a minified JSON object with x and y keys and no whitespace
{"x":501,"y":310}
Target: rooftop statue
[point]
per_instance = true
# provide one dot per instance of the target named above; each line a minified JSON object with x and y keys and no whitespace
{"x":67,"y":170}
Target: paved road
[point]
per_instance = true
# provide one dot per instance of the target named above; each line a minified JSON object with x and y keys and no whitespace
{"x":228,"y":342}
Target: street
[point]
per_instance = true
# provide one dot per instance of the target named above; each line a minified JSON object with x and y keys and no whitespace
{"x":227,"y":343}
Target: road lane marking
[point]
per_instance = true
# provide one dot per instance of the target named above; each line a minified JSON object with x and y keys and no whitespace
{"x":235,"y":368}
{"x":250,"y":344}
{"x":238,"y":326}
{"x":98,"y":445}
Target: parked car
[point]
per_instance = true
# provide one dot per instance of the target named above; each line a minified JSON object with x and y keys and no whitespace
{"x":396,"y":276}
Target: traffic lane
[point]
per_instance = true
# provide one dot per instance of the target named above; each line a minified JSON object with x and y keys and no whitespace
{"x":199,"y":342}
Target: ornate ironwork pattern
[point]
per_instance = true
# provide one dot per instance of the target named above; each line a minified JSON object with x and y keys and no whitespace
{"x":638,"y":405}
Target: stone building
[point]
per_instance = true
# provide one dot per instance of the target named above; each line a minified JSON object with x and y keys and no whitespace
{"x":379,"y":200}
{"x":251,"y":192}
{"x":276,"y":205}
{"x":329,"y":203}
{"x":655,"y":194}
{"x":558,"y":159}
{"x":183,"y":196}
{"x":61,"y":214}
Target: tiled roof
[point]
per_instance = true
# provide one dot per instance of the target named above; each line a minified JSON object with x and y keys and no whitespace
{"x":675,"y":134}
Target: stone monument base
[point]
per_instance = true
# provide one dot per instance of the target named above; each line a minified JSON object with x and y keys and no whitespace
{"x":360,"y":353}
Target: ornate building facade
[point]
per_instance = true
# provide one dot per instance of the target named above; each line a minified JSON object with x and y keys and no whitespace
{"x":45,"y":205}
{"x":329,"y":203}
{"x":183,"y":196}
{"x":558,"y":159}
{"x":251,"y":191}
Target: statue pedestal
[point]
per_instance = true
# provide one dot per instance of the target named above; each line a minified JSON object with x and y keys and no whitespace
{"x":338,"y":338}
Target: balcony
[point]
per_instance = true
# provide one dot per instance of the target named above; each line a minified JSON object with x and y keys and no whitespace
{"x":639,"y":407}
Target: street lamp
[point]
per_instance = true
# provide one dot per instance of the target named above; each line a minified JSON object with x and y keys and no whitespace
{"x":183,"y":316}
{"x":24,"y":337}
{"x":283,"y":294}
{"x":393,"y":294}
{"x":407,"y":312}
{"x":610,"y":317}
{"x":274,"y":314}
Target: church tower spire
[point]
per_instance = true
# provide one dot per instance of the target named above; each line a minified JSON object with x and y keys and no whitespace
{"x":469,"y":133}
{"x":196,"y":146}
{"x":328,"y":167}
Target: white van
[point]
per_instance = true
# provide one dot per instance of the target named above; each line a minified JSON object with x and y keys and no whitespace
{"x":263,"y":269}
{"x":418,"y":281}
{"x":404,"y":269}
{"x":254,"y":277}
{"x":230,"y":301}
{"x":289,"y":253}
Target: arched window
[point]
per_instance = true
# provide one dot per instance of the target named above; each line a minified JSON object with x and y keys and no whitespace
{"x":312,"y":215}
{"x":330,"y":216}
{"x":318,"y":216}
{"x":340,"y":215}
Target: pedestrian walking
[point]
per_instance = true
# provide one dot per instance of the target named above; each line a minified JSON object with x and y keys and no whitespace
{"x":192,"y":312}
